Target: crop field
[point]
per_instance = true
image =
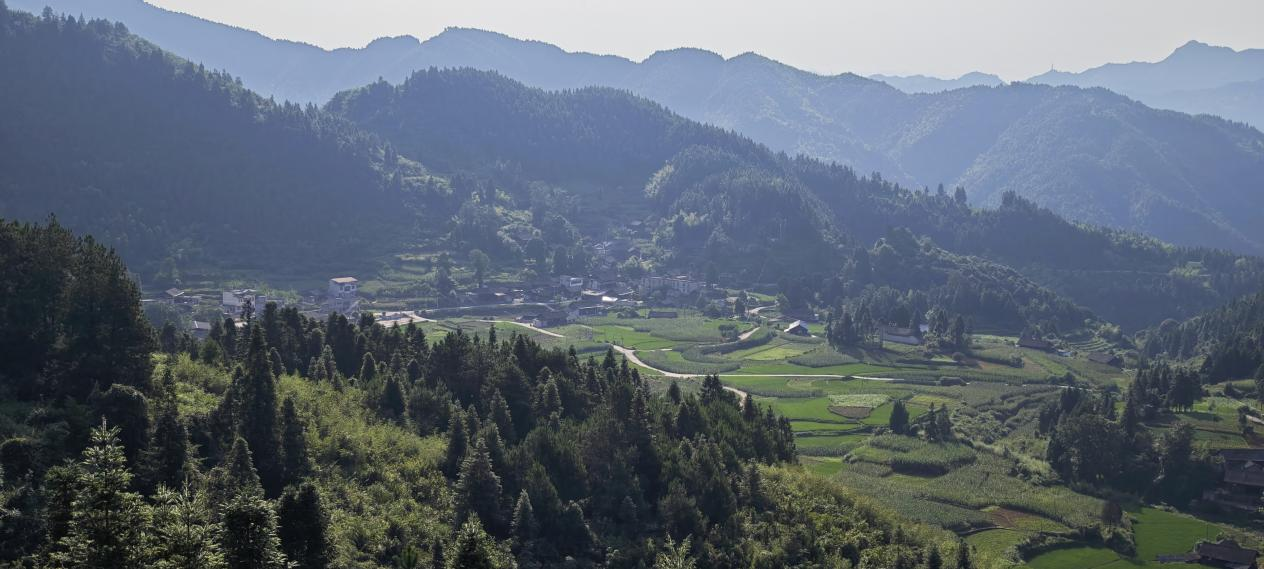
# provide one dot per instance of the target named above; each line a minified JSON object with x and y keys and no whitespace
{"x":985,"y":482}
{"x":688,"y":328}
{"x":673,"y":361}
{"x":1157,"y":532}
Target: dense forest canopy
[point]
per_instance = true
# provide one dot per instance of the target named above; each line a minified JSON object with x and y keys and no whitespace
{"x":256,"y":447}
{"x":162,"y":158}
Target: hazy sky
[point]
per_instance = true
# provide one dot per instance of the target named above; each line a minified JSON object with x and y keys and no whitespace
{"x":1013,"y":38}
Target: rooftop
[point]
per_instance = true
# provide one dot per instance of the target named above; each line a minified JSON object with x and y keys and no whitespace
{"x":344,"y":280}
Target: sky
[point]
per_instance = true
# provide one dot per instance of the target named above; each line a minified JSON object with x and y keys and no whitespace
{"x":1015,"y":39}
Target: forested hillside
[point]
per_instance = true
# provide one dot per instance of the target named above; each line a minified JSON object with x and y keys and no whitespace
{"x":166,"y":160}
{"x":722,"y":199}
{"x":345,"y":444}
{"x":1230,"y":339}
{"x":209,"y":187}
{"x":1089,"y":154}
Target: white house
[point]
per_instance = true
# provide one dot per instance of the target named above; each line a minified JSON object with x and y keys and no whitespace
{"x":343,"y":296}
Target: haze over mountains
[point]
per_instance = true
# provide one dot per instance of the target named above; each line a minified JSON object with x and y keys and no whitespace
{"x":1093,"y":156}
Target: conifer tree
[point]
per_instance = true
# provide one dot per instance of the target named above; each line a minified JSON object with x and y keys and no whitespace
{"x":249,"y":534}
{"x":392,"y":402}
{"x":458,"y":443}
{"x":304,"y":530}
{"x":167,"y":455}
{"x":474,"y":549}
{"x":184,"y":536}
{"x":294,"y":443}
{"x":107,"y":522}
{"x":899,"y":417}
{"x":257,"y":419}
{"x":478,"y":490}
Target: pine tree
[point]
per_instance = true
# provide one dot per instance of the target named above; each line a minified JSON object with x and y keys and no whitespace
{"x":294,"y":443}
{"x":502,"y":417}
{"x":184,"y":537}
{"x":963,"y":556}
{"x":478,"y":490}
{"x":368,"y":370}
{"x":249,"y":534}
{"x":257,"y":420}
{"x":899,"y":418}
{"x":474,"y":549}
{"x":392,"y":402}
{"x":934,"y":560}
{"x":304,"y":530}
{"x":458,"y":443}
{"x":166,"y":459}
{"x":524,"y":526}
{"x":107,"y":522}
{"x":235,"y":475}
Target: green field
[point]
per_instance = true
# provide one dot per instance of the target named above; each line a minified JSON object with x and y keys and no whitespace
{"x":1157,"y":533}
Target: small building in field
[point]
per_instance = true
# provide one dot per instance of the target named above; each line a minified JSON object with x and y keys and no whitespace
{"x":663,"y":314}
{"x":798,"y":328}
{"x":1226,"y":553}
{"x":898,"y":335}
{"x":1035,"y":343}
{"x":551,"y":319}
{"x":1105,"y":358}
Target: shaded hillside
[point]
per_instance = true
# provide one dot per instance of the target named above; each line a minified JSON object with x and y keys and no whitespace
{"x":1089,"y":155}
{"x":1230,"y":339}
{"x":165,"y":160}
{"x":716,"y":197}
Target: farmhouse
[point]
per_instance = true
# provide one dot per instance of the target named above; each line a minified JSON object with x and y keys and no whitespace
{"x":1105,"y":358}
{"x":199,"y":329}
{"x":1242,"y":482}
{"x":571,"y":284}
{"x":798,"y":328}
{"x":677,"y":284}
{"x":899,"y":335}
{"x":550,"y":319}
{"x":342,"y":295}
{"x":1226,"y":553}
{"x":1035,"y":343}
{"x":172,"y":294}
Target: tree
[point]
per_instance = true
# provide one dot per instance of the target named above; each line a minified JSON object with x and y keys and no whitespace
{"x":458,"y":442}
{"x":475,"y":549}
{"x":675,"y":555}
{"x":257,"y":420}
{"x":297,"y":465}
{"x":107,"y":521}
{"x":963,"y":556}
{"x":126,"y":408}
{"x":478,"y":489}
{"x":899,"y":417}
{"x":184,"y":537}
{"x":249,"y":534}
{"x":166,"y":458}
{"x":481,"y":262}
{"x":304,"y":530}
{"x":393,"y":403}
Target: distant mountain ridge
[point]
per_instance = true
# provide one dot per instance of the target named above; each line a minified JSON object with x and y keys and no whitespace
{"x":927,"y":84}
{"x":1091,"y":155}
{"x":1196,"y":78}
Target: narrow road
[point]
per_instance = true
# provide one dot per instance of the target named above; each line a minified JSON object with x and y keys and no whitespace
{"x":748,"y":333}
{"x":631,"y":355}
{"x":527,"y":326}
